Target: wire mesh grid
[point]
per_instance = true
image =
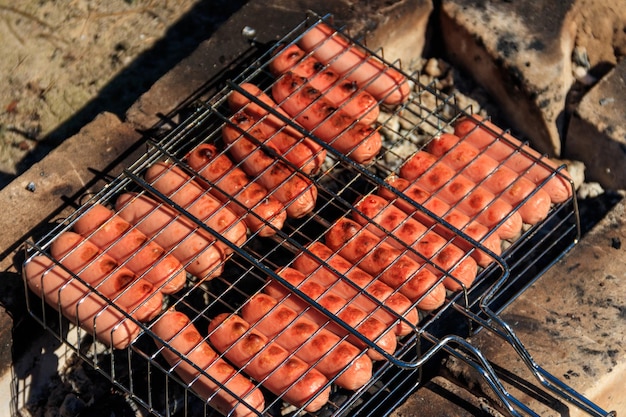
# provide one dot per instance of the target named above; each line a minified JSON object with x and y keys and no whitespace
{"x":269,"y":258}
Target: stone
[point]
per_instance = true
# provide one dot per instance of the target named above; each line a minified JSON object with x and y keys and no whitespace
{"x":521,"y":53}
{"x":596,"y":134}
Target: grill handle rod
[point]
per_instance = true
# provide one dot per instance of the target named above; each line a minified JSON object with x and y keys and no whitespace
{"x":499,"y":327}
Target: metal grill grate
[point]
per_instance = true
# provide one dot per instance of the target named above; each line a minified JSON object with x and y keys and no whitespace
{"x":253,"y":264}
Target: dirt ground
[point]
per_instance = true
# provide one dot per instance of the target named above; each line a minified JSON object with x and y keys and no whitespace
{"x":64,"y":61}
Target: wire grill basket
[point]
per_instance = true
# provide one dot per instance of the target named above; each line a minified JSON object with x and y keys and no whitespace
{"x":253,"y":264}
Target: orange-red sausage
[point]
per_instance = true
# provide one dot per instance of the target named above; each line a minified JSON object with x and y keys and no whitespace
{"x":522,"y":159}
{"x":387,"y":263}
{"x":286,"y":376}
{"x":414,"y":234}
{"x":78,"y":303}
{"x":341,"y":362}
{"x":392,"y":308}
{"x":131,"y":247}
{"x":369,"y":326}
{"x":184,"y":191}
{"x":458,"y":190}
{"x":499,"y":179}
{"x":382,"y":81}
{"x":308,"y":106}
{"x":343,"y":93}
{"x":191,"y":246}
{"x":182,"y":338}
{"x":441,"y":209}
{"x":263,"y":213}
{"x":286,"y":140}
{"x":134,"y":295}
{"x":295,"y":191}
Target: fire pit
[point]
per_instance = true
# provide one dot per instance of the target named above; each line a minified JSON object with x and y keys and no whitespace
{"x":254,"y":265}
{"x":338,"y":185}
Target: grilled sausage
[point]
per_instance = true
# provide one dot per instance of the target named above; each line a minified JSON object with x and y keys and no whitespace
{"x":371,"y":328}
{"x":262,"y":213}
{"x":522,"y":159}
{"x":343,"y":93}
{"x":412,"y":233}
{"x":297,"y":193}
{"x":182,"y":338}
{"x":458,"y":190}
{"x":340,"y":361}
{"x":308,"y":106}
{"x":438,"y":207}
{"x":286,"y":376}
{"x":348,"y":281}
{"x":286,"y":140}
{"x":184,"y":191}
{"x":414,"y":279}
{"x":499,"y":179}
{"x":134,"y":295}
{"x":79,"y":304}
{"x":129,"y":246}
{"x":192,"y":247}
{"x":380,"y":80}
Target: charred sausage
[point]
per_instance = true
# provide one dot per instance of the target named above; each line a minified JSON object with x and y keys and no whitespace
{"x":192,"y":247}
{"x":286,"y":376}
{"x":308,"y":106}
{"x":390,"y":307}
{"x":134,"y":295}
{"x":413,"y":279}
{"x":286,"y":140}
{"x":78,"y":303}
{"x":340,"y":361}
{"x":297,"y":193}
{"x":382,"y":81}
{"x":408,"y":230}
{"x":343,"y":93}
{"x":181,"y":337}
{"x":129,"y":246}
{"x":477,"y":231}
{"x":186,"y":192}
{"x":522,"y":159}
{"x":261,"y":212}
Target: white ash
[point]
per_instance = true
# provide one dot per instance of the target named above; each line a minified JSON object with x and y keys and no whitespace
{"x":589,"y":190}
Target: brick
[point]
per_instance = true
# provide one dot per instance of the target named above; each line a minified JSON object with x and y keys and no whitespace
{"x":520,"y":53}
{"x":596,"y":133}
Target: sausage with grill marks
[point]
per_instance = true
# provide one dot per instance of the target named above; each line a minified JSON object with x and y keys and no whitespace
{"x":412,"y":233}
{"x":396,"y":308}
{"x":343,"y":93}
{"x":294,"y":190}
{"x":308,"y":106}
{"x":267,"y":213}
{"x":180,"y":335}
{"x":78,"y":303}
{"x":193,"y":247}
{"x":522,"y":159}
{"x":499,"y":179}
{"x":363,"y":322}
{"x":329,"y":47}
{"x":440,"y":208}
{"x":265,"y":360}
{"x":287,"y":141}
{"x":391,"y":265}
{"x":184,"y":191}
{"x":436,"y":177}
{"x":134,"y":295}
{"x":339,"y":360}
{"x":128,"y":245}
